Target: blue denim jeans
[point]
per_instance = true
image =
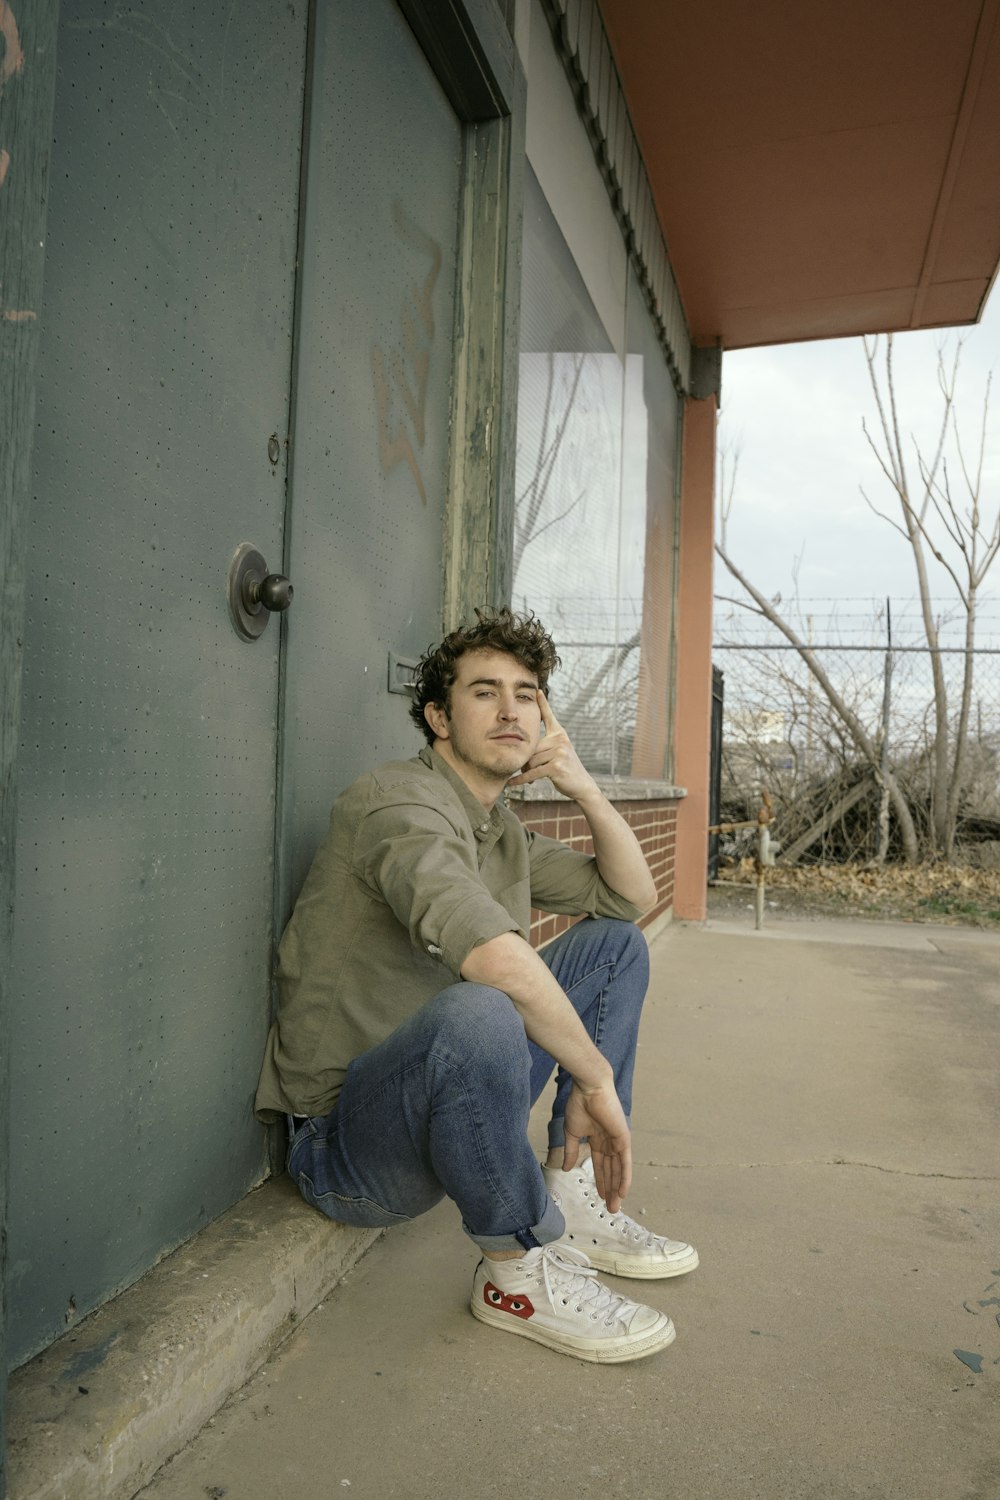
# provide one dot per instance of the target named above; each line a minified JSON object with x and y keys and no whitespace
{"x":440,"y":1108}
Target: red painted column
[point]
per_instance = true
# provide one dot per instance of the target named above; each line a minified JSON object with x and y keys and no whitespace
{"x":694,"y":655}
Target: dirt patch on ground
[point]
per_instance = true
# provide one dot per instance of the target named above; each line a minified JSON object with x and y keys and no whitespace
{"x":948,"y":894}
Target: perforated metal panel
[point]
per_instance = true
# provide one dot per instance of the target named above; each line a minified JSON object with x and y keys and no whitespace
{"x":372,"y":406}
{"x":148,"y":770}
{"x":144,"y":885}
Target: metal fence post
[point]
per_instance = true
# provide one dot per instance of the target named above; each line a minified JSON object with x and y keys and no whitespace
{"x":882,"y":844}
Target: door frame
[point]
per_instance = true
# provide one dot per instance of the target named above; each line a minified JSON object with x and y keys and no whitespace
{"x":471,"y":50}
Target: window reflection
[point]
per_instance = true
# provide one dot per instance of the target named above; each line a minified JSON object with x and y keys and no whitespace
{"x":596,"y":456}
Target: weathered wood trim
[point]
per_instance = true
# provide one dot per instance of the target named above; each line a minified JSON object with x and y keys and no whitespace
{"x":470,"y":46}
{"x":582,"y":43}
{"x":501,"y":577}
{"x":480,"y":503}
{"x":27,"y":96}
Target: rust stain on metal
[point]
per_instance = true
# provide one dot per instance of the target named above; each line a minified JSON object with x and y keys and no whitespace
{"x":13,"y":57}
{"x":12,"y":62}
{"x":406,"y":372}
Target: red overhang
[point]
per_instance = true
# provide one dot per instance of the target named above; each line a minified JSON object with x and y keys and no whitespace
{"x":819,"y":170}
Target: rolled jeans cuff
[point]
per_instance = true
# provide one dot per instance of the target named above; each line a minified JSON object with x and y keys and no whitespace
{"x":550,"y":1227}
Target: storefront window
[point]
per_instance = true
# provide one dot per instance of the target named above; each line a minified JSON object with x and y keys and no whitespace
{"x":596,"y":473}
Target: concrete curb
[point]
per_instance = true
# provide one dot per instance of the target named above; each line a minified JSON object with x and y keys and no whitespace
{"x":855,"y":932}
{"x":95,"y":1415}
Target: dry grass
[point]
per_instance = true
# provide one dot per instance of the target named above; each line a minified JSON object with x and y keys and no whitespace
{"x":949,"y":894}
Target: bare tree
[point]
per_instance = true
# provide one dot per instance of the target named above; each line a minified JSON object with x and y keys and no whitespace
{"x":531,"y":502}
{"x":867,"y":746}
{"x":942,"y":514}
{"x":946,"y":518}
{"x":597,"y":701}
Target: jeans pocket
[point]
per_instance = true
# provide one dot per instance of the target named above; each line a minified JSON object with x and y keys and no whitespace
{"x":295,"y":1155}
{"x":363,"y":1213}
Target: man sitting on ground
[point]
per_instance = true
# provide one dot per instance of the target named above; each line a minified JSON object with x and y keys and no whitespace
{"x":417,"y":1026}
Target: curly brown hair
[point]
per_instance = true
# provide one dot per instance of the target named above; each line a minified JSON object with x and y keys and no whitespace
{"x":523,"y":636}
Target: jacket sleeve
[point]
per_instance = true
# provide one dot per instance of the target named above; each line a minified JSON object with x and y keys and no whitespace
{"x":567,"y":881}
{"x":418,"y":861}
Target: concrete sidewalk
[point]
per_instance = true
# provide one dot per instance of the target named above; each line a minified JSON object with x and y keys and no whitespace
{"x":817,"y":1110}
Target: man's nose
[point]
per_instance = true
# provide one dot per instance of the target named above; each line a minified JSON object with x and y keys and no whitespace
{"x":508,"y":708}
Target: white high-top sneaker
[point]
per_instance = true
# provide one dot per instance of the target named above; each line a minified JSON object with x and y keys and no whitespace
{"x":612,"y":1242}
{"x":552,"y":1295}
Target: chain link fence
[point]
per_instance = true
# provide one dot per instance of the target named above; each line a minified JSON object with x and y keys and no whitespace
{"x":597,"y":692}
{"x":781,"y":733}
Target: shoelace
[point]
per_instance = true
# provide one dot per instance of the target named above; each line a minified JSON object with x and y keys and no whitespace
{"x":621,"y":1223}
{"x":571,"y":1279}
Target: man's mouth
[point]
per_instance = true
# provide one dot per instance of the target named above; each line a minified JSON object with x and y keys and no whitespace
{"x":509,"y":734}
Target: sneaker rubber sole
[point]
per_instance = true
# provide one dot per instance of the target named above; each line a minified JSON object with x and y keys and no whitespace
{"x":628,"y":1265}
{"x":602,"y":1352}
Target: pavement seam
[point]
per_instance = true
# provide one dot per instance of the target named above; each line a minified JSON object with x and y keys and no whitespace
{"x":814,"y":1161}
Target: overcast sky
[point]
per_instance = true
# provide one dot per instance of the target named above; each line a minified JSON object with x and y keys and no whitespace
{"x":793,"y":415}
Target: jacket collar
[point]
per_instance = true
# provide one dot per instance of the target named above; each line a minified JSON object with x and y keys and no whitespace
{"x":482,"y":822}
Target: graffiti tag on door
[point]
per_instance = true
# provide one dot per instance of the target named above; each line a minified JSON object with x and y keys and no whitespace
{"x":401,"y":377}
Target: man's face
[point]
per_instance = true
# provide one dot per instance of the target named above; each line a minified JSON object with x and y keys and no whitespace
{"x":493,"y":721}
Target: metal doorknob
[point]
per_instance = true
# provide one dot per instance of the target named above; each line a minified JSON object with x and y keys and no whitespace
{"x":254,"y":593}
{"x":273,"y":591}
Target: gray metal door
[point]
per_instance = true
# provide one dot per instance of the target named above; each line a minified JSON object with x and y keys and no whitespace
{"x":372,"y":407}
{"x":145,"y":885}
{"x":147,"y":768}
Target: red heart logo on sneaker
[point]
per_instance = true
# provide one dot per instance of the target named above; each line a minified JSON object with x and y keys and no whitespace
{"x":507,"y":1302}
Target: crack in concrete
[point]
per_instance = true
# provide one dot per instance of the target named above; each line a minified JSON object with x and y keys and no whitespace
{"x":814,"y":1161}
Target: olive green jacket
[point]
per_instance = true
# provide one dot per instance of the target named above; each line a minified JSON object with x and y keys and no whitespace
{"x":413,"y":874}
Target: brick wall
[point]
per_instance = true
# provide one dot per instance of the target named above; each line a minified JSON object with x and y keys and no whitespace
{"x":654,"y":824}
